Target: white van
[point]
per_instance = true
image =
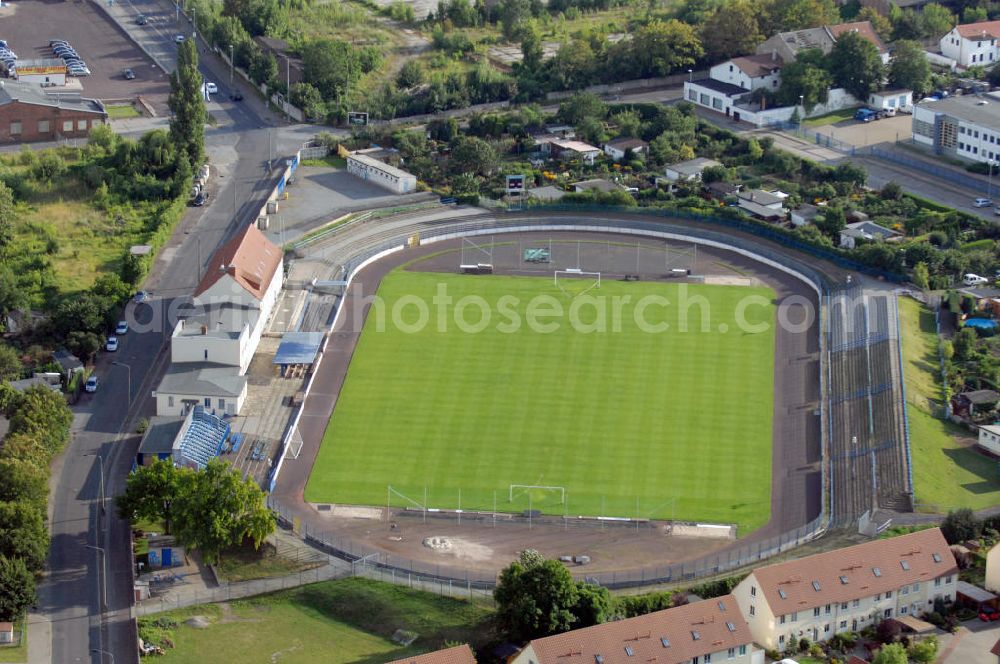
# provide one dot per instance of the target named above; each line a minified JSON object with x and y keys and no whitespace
{"x":974,"y":280}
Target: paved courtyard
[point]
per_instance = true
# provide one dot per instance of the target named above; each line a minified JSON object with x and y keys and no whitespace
{"x":852,"y":132}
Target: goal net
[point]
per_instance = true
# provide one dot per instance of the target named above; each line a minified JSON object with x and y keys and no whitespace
{"x":537,"y":493}
{"x":573,"y":281}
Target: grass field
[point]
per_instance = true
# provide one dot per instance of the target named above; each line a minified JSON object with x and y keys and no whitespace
{"x":334,"y":622}
{"x":671,"y":424}
{"x":947,"y":472}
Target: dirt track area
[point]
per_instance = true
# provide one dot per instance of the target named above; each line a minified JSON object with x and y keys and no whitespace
{"x":796,"y":479}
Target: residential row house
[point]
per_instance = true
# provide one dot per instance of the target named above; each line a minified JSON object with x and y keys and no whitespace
{"x":847,"y":589}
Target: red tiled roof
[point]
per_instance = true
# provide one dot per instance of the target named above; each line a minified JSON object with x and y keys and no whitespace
{"x":983,"y":29}
{"x":250,"y":258}
{"x":857,"y":571}
{"x":6,"y":627}
{"x":996,"y":649}
{"x":458,"y":655}
{"x":863,"y":28}
{"x":671,"y":636}
{"x":758,"y":65}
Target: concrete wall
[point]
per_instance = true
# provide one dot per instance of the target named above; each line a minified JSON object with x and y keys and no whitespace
{"x":382,"y":178}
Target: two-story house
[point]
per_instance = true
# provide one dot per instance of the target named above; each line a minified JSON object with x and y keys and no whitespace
{"x":847,"y":589}
{"x":972,"y":44}
{"x":708,"y":632}
{"x":750,"y":72}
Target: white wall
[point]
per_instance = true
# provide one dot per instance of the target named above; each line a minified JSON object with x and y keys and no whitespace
{"x":399,"y":185}
{"x":172,"y":404}
{"x":903,"y":100}
{"x":727,"y":72}
{"x":993,"y":569}
{"x":989,"y":441}
{"x":208,"y":348}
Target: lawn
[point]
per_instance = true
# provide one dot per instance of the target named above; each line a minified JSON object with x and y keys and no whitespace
{"x":947,"y":471}
{"x":122,"y":112}
{"x":19,"y":653}
{"x":245,"y":563}
{"x":675,"y":424}
{"x":340,"y":621}
{"x":830,"y":118}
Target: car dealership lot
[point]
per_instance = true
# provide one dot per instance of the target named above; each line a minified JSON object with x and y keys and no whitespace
{"x":29,"y":25}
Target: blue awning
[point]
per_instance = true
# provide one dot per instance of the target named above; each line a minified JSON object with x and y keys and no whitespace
{"x":298,"y":348}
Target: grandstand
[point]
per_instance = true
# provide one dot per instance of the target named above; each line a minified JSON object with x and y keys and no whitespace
{"x":868,"y":446}
{"x":200,"y":438}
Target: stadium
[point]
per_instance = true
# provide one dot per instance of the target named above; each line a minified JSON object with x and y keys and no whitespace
{"x":559,"y":375}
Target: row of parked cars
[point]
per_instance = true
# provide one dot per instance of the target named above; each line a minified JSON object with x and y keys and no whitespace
{"x":7,"y":56}
{"x":75,"y":65}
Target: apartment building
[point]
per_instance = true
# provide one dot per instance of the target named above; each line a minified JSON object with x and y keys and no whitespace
{"x":709,"y":632}
{"x":848,"y":589}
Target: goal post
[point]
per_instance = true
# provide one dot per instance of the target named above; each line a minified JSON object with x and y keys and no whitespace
{"x":522,"y":489}
{"x":583,"y":281}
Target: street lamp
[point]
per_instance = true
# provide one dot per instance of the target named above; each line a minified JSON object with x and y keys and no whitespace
{"x":103,"y":652}
{"x":101,"y":460}
{"x":990,"y":163}
{"x":104,"y":585}
{"x":194,"y":24}
{"x":129,"y":370}
{"x":802,"y":109}
{"x":690,"y":75}
{"x":231,"y":65}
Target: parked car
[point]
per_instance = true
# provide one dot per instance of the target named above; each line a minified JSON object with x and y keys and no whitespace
{"x":864,"y":115}
{"x":141,"y":296}
{"x":200,"y":199}
{"x":112,"y":344}
{"x":128,"y":74}
{"x":91,"y":384}
{"x":211,"y":88}
{"x":236,"y":96}
{"x":996,"y":210}
{"x":121,"y":327}
{"x":982,"y":202}
{"x":974,"y":280}
{"x":179,"y":39}
{"x":141,"y":19}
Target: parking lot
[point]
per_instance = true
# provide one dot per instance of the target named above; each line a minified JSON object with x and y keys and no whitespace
{"x":28,"y":25}
{"x":887,"y":130}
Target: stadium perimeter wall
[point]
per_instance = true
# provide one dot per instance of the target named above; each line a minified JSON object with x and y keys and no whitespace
{"x":709,"y":566}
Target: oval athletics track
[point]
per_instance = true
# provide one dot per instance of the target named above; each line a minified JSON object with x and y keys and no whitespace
{"x":796,"y":484}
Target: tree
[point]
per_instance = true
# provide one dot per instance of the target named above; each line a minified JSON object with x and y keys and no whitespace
{"x":24,"y":481}
{"x":888,"y":631}
{"x":881,"y":24}
{"x":924,"y":651}
{"x":535,"y":598}
{"x":787,"y":15}
{"x":734,"y":29}
{"x":855,"y":65}
{"x":43,"y":414}
{"x":216,"y":508}
{"x":580,"y":106}
{"x":11,"y":366}
{"x":660,"y":48}
{"x":17,"y":588}
{"x":150,"y":493}
{"x":909,"y":68}
{"x":921,"y":276}
{"x":531,"y":49}
{"x":936,"y":20}
{"x":754,"y":151}
{"x":7,"y":215}
{"x":832,"y":221}
{"x":805,"y":79}
{"x":12,"y":296}
{"x":23,"y":534}
{"x":187,"y":126}
{"x":410,"y":75}
{"x":893,"y":653}
{"x":593,"y":605}
{"x":961,"y":524}
{"x":473,"y":155}
{"x":974,"y":14}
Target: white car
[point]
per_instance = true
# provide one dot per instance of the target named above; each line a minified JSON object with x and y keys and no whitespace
{"x":91,"y":384}
{"x":112,"y":344}
{"x":211,"y":88}
{"x":982,"y":202}
{"x":974,"y":280}
{"x":179,"y":39}
{"x":121,"y":327}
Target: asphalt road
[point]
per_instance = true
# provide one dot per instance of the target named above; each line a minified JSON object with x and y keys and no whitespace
{"x":70,"y":598}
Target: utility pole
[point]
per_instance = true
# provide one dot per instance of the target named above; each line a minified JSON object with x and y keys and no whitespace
{"x":194,"y":24}
{"x":288,"y":80}
{"x":104,"y":585}
{"x":129,"y":370}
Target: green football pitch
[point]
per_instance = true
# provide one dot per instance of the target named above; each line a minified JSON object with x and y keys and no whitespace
{"x":626,"y":420}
